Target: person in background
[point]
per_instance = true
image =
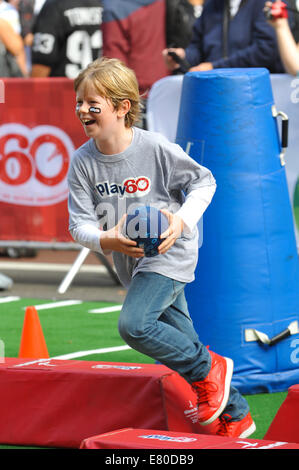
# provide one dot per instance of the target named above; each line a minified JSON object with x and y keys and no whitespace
{"x":25,"y":8}
{"x":67,"y":37}
{"x":38,"y":4}
{"x":26,"y":12}
{"x":180,"y":18}
{"x":134,"y":32}
{"x":288,"y":48}
{"x":294,"y":21}
{"x":12,"y":50}
{"x":230,"y":33}
{"x":9,"y":12}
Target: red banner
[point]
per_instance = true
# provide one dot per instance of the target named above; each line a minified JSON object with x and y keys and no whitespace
{"x":38,"y":135}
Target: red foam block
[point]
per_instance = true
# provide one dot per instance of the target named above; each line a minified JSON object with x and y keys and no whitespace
{"x":285,"y":425}
{"x":153,"y":439}
{"x":59,"y":403}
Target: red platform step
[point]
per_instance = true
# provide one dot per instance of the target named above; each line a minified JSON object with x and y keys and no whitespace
{"x":153,"y":439}
{"x":58,"y":403}
{"x":285,"y":425}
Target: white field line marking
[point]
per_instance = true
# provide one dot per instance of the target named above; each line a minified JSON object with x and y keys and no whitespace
{"x":8,"y":299}
{"x":62,"y":303}
{"x":115,"y":308}
{"x":76,"y":354}
{"x":92,"y":351}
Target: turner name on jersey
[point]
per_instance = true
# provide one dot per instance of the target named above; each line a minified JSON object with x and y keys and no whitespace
{"x":68,"y":36}
{"x":84,"y":16}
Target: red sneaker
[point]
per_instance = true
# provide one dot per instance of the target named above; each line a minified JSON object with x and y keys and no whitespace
{"x":242,"y":428}
{"x":213,"y":391}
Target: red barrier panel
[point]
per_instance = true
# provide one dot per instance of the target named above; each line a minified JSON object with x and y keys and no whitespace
{"x":153,"y":439}
{"x":285,"y":425}
{"x":38,"y":135}
{"x":60,"y":403}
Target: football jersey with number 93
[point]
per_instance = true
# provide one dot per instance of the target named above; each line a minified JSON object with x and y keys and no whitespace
{"x":67,"y":36}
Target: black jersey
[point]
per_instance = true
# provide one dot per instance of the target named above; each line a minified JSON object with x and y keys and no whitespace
{"x":67,"y":36}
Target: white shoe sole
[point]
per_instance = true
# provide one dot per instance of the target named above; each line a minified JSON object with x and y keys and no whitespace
{"x":248,"y":431}
{"x":228,"y":379}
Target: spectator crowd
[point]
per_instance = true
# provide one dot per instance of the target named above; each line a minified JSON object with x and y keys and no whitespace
{"x":156,"y":38}
{"x":60,"y":37}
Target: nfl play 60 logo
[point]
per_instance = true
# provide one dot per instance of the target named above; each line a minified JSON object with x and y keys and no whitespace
{"x":34,"y":164}
{"x":131,"y":187}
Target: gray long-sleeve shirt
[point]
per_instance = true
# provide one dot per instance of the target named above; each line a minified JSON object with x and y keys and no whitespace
{"x":151,"y":171}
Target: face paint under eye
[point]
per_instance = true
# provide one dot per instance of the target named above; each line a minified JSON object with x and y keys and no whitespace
{"x":94,"y":109}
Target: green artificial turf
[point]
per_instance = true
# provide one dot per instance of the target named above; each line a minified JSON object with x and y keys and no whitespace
{"x":67,"y":330}
{"x":263,"y":408}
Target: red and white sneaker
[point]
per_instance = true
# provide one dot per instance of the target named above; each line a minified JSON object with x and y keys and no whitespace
{"x":242,"y":428}
{"x":213,"y":391}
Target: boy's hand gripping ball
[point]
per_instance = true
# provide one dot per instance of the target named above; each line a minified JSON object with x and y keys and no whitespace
{"x":144,"y":225}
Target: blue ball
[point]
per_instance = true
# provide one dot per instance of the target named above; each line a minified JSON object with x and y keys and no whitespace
{"x":144,"y":225}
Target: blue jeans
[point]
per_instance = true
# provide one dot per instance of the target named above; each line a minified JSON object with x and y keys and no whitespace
{"x":155,"y":321}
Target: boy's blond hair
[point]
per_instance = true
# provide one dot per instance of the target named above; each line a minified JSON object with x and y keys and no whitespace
{"x":113,"y":80}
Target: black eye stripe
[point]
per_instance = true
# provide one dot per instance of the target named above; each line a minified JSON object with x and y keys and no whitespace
{"x":94,"y":109}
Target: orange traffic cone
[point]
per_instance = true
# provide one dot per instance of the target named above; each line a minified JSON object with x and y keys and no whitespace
{"x":33,"y":344}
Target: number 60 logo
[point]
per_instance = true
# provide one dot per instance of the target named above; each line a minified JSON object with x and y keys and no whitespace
{"x":33,"y":164}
